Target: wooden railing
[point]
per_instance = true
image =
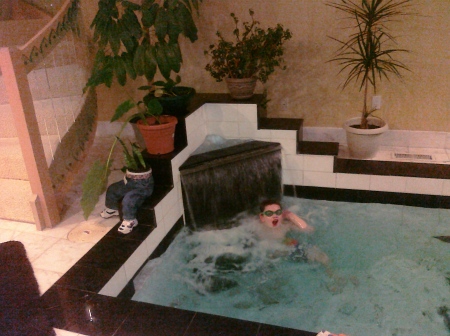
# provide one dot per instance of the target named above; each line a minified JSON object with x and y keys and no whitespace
{"x":56,"y":62}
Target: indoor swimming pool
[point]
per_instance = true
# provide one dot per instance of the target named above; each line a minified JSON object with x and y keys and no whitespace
{"x":388,"y":274}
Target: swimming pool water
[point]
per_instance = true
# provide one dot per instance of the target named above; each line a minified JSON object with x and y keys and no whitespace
{"x":388,"y":275}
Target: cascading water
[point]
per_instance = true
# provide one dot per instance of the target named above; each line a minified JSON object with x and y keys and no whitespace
{"x":219,"y":184}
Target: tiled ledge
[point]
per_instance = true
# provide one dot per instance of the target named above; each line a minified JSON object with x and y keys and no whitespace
{"x":75,"y":302}
{"x":332,"y":141}
{"x":391,"y":168}
{"x":75,"y":297}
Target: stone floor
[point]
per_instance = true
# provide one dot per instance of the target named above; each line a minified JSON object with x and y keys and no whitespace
{"x":53,"y":251}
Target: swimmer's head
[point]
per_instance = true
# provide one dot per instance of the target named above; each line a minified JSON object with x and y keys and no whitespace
{"x":270,"y":213}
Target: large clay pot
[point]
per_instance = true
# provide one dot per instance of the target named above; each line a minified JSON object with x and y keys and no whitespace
{"x":158,"y":138}
{"x":364,"y":143}
{"x":241,"y":88}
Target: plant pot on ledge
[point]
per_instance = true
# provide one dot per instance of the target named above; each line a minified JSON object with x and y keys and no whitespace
{"x":241,"y":88}
{"x":177,"y":104}
{"x":159,"y":138}
{"x":364,"y":143}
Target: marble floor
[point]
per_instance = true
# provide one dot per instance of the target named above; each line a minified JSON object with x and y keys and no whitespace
{"x":54,"y":251}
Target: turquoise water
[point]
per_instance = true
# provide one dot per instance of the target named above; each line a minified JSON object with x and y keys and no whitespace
{"x":388,"y":275}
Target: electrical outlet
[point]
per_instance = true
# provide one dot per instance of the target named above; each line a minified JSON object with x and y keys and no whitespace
{"x":376,"y":102}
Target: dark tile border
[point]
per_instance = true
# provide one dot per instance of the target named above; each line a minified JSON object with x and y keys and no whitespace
{"x":318,"y":148}
{"x":367,"y":196}
{"x":392,"y":168}
{"x":73,"y":302}
{"x":372,"y":167}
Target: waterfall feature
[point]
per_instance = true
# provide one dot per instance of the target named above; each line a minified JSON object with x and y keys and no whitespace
{"x":219,"y":184}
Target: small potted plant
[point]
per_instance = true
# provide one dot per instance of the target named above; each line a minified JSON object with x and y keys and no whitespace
{"x":368,"y":56}
{"x":173,"y":98}
{"x":136,"y":40}
{"x":95,"y":182}
{"x":156,"y":129}
{"x":97,"y":177}
{"x":254,"y":55}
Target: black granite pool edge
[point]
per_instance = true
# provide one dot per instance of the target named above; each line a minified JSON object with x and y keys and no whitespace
{"x":73,"y":302}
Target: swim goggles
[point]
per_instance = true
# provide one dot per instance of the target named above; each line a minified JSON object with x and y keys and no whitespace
{"x":270,"y":213}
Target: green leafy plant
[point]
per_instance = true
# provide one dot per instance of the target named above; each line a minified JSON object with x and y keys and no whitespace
{"x":134,"y":161}
{"x":134,"y":41}
{"x":166,"y":88}
{"x":97,"y":177}
{"x":369,"y":53}
{"x":95,"y":182}
{"x":254,"y":53}
{"x":137,"y":40}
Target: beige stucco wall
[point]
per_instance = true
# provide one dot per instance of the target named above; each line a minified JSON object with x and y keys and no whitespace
{"x":309,"y":88}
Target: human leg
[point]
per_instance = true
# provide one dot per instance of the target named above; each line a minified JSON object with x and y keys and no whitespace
{"x":317,"y":255}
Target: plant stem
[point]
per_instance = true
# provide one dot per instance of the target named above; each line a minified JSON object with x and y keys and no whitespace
{"x":364,"y":124}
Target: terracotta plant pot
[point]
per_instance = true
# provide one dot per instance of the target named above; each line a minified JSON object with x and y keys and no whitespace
{"x":241,"y":88}
{"x":158,"y":138}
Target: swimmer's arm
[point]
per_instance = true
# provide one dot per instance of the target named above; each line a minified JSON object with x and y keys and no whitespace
{"x":297,"y":221}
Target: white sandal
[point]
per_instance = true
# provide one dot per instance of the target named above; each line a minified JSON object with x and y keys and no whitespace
{"x":127,"y":226}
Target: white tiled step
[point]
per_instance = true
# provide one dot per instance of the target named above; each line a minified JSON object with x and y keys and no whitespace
{"x":15,"y":196}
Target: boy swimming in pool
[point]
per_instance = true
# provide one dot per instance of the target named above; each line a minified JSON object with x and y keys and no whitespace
{"x":272,"y":216}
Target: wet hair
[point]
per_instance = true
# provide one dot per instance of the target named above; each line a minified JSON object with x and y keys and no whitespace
{"x":267,"y":202}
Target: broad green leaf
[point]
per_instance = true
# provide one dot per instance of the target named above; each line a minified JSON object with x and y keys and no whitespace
{"x":128,"y":158}
{"x":130,"y":5}
{"x":184,"y":17}
{"x":132,"y":23}
{"x":149,"y":15}
{"x":128,"y":62}
{"x":146,"y":4}
{"x":139,"y":60}
{"x":154,"y":107}
{"x":150,"y":63}
{"x":163,"y":64}
{"x":122,"y":109}
{"x":114,"y":38}
{"x":128,"y":40}
{"x":104,"y":34}
{"x":172,"y":57}
{"x":161,"y":24}
{"x":137,"y":153}
{"x":174,"y":28}
{"x":93,"y":186}
{"x":120,"y":71}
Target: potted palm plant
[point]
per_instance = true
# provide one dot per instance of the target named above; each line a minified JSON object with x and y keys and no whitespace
{"x":368,"y":56}
{"x":254,"y":55}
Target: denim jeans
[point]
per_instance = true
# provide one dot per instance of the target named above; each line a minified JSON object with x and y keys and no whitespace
{"x":132,"y":194}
